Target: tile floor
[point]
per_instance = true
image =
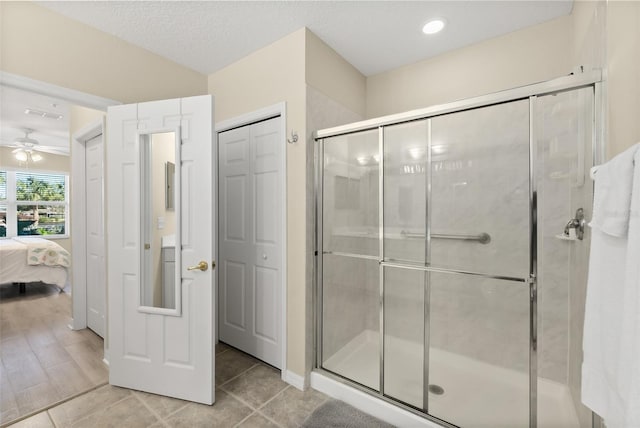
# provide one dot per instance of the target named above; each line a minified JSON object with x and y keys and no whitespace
{"x":42,"y":361}
{"x":248,"y":394}
{"x":60,"y":362}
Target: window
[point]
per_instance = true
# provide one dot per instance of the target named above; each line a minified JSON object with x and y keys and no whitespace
{"x":33,"y":204}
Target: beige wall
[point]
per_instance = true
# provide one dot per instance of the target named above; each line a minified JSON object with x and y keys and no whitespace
{"x":623,"y":75}
{"x":280,"y":72}
{"x":266,"y":77}
{"x":49,"y":163}
{"x":535,"y":54}
{"x":589,"y":33}
{"x":597,"y":34}
{"x":43,"y":45}
{"x":333,"y":76}
{"x":79,"y":117}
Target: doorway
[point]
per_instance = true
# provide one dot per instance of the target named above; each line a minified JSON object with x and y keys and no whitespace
{"x":88,"y":237}
{"x":252,"y":207}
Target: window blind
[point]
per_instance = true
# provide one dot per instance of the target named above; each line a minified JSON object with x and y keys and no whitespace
{"x":40,"y":187}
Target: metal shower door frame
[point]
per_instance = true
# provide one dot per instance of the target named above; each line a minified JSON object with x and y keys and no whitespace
{"x":531,"y":93}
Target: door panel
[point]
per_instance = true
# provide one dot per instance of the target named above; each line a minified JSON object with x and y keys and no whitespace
{"x":251,"y":212}
{"x":234,"y":310}
{"x":166,"y":353}
{"x":265,"y":299}
{"x":234,"y":196}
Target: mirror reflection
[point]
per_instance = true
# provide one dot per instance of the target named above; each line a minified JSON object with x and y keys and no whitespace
{"x":158,"y":220}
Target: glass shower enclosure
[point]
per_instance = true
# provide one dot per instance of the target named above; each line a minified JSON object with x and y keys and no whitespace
{"x":450,"y":273}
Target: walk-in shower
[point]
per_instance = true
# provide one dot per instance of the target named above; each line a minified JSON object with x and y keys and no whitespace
{"x":450,"y":274}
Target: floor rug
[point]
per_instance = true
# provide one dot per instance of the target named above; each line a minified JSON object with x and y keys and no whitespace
{"x":338,"y":414}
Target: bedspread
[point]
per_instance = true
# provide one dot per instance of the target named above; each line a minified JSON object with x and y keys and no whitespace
{"x":43,"y":252}
{"x":14,"y":266}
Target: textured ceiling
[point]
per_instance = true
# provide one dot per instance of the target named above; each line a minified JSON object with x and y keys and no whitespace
{"x":374,"y":36}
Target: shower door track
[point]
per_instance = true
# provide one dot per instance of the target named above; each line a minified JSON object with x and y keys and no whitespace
{"x":591,"y":79}
{"x":571,"y":82}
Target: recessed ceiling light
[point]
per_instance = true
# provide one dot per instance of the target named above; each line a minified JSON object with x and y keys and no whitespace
{"x":434,"y":26}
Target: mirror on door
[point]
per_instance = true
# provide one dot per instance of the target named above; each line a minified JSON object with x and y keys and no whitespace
{"x":160,"y":209}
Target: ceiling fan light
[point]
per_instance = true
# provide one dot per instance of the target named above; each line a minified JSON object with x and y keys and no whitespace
{"x":36,"y":157}
{"x":21,"y":155}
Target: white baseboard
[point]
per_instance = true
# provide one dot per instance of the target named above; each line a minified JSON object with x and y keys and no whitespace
{"x":369,"y":404}
{"x":294,"y":379}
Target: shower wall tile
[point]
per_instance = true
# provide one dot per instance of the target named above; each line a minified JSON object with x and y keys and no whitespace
{"x":404,"y":304}
{"x":350,"y":300}
{"x":480,"y":185}
{"x":480,"y":318}
{"x":322,"y":112}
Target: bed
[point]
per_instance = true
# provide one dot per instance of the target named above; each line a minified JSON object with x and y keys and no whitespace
{"x":24,"y":260}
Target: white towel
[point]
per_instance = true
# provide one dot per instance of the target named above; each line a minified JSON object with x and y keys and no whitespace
{"x":612,"y":197}
{"x":611,"y":364}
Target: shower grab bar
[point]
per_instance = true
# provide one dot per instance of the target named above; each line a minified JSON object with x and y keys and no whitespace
{"x":483,"y":238}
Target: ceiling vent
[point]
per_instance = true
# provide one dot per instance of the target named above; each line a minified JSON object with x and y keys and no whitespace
{"x":45,"y":114}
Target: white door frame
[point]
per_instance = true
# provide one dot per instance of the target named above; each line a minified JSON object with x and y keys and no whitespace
{"x":79,"y":220}
{"x":269,"y":112}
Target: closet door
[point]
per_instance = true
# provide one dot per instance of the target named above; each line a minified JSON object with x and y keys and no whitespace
{"x":94,"y":197}
{"x":251,"y":285}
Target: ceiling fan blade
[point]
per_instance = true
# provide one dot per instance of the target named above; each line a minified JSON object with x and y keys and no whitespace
{"x":9,"y":144}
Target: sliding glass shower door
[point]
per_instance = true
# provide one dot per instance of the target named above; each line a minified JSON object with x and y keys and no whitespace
{"x":480,"y":230}
{"x":438,"y":236}
{"x":351,"y":250}
{"x":456,"y":264}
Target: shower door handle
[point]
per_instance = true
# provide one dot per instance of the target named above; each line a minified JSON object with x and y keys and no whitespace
{"x":576,"y":223}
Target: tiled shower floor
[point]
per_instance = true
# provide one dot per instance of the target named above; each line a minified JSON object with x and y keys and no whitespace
{"x":476,"y":394}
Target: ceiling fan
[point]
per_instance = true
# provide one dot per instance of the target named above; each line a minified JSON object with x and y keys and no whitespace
{"x":26,"y":148}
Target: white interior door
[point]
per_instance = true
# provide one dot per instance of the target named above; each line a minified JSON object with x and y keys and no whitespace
{"x":251,"y":239}
{"x":96,"y":275}
{"x":163,"y":351}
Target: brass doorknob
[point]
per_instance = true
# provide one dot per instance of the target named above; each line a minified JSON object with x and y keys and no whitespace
{"x":200,"y":266}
